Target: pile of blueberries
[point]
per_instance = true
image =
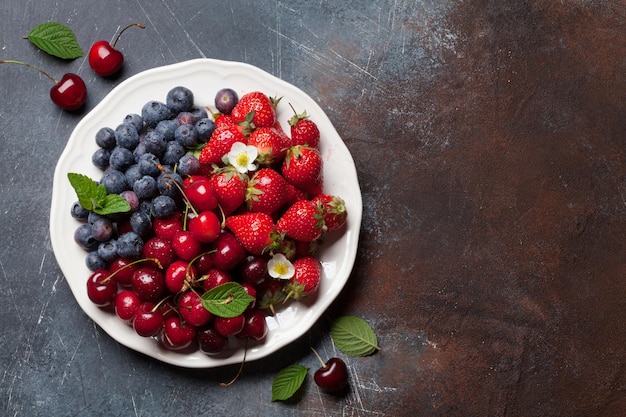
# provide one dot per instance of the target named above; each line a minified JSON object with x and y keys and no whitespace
{"x":140,"y":160}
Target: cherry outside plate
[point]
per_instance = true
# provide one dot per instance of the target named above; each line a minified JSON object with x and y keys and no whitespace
{"x":205,"y":77}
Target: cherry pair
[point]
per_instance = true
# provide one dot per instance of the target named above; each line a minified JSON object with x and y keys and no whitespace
{"x":70,"y":92}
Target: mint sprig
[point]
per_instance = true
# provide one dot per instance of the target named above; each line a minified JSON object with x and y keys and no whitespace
{"x":227,"y":300}
{"x":55,"y":39}
{"x":94,"y":197}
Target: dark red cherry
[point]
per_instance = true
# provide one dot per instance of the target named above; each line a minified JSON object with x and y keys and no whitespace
{"x":161,"y":249}
{"x":70,"y":93}
{"x":229,"y":252}
{"x":101,"y":287}
{"x":176,"y":334}
{"x":332,"y":376}
{"x":126,"y":305}
{"x":148,"y":283}
{"x":185,"y":245}
{"x":255,"y":326}
{"x":205,"y":227}
{"x":191,"y":309}
{"x":201,"y":194}
{"x":211,"y":342}
{"x":148,"y":320}
{"x":179,"y":276}
{"x":104,"y":59}
{"x":214,"y":277}
{"x":229,"y":326}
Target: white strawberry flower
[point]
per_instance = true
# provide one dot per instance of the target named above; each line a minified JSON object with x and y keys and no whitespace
{"x":280,"y":267}
{"x":242,"y":157}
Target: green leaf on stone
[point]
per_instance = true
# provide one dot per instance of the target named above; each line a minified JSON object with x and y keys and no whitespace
{"x":287,"y":382}
{"x":353,"y":336}
{"x":55,"y":39}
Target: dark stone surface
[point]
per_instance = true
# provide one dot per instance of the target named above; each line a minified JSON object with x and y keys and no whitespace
{"x":489,"y":139}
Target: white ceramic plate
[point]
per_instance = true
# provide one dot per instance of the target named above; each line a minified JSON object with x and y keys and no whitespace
{"x":205,"y":77}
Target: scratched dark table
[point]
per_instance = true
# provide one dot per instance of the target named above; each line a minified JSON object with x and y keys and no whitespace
{"x":489,"y":139}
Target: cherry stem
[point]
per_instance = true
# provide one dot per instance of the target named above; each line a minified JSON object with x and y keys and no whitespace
{"x":139,"y":25}
{"x":11,"y":61}
{"x":243,"y":361}
{"x":318,"y":357}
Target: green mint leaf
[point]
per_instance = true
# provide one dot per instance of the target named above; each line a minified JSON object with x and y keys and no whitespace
{"x":55,"y":39}
{"x":227,"y":300}
{"x":353,"y":336}
{"x":94,"y":197}
{"x":113,"y":203}
{"x":287,"y":382}
{"x":86,"y":190}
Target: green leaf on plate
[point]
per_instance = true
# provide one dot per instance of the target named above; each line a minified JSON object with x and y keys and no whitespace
{"x":287,"y":382}
{"x":94,"y":197}
{"x":353,"y":336}
{"x":227,"y":300}
{"x":55,"y":39}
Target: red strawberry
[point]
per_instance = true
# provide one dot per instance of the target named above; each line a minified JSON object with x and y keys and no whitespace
{"x":301,"y":221}
{"x":302,"y":167}
{"x":220,"y":143}
{"x":263,"y":107}
{"x":223,"y":120}
{"x":252,"y":230}
{"x":306,"y":278}
{"x":267,"y":191}
{"x":281,"y":132}
{"x":333,"y":209}
{"x":230,"y":188}
{"x":269,"y":143}
{"x":304,"y":131}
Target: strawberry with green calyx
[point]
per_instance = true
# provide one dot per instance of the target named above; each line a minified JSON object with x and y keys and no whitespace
{"x":333,"y":209}
{"x":267,"y":191}
{"x":301,"y":221}
{"x":302,"y":167}
{"x":230,"y":188}
{"x":262,"y":107}
{"x":304,"y":131}
{"x":306,"y":278}
{"x":252,"y":230}
{"x":270,"y":144}
{"x":220,"y":143}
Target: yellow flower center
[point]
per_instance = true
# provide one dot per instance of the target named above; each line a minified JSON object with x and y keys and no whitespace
{"x":242,"y":159}
{"x":281,"y":269}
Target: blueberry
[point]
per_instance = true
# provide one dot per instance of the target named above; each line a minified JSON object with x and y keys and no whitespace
{"x":94,"y":217}
{"x":145,"y":206}
{"x":114,"y":181}
{"x":173,"y":152}
{"x":149,"y":165}
{"x":95,"y":262}
{"x":121,"y":158}
{"x":100,"y":158}
{"x":186,"y":135}
{"x":105,"y":138}
{"x":135,"y":120}
{"x":129,"y":245}
{"x":79,"y":212}
{"x":154,"y":143}
{"x":139,"y":150}
{"x":225,"y":100}
{"x":145,"y":187}
{"x":199,"y":113}
{"x":102,"y":229}
{"x":188,"y":165}
{"x":127,"y":136}
{"x":83,"y":236}
{"x":132,"y":173}
{"x":153,"y":112}
{"x":167,"y":128}
{"x":179,"y":99}
{"x":186,"y":118}
{"x":141,"y":223}
{"x":168,"y":183}
{"x":163,"y":206}
{"x":108,"y":250}
{"x":205,"y":128}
